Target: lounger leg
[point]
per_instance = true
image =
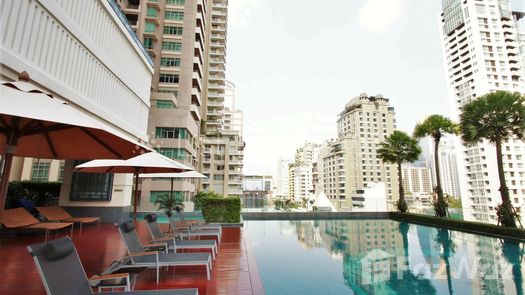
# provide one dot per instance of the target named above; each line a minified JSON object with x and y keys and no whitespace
{"x":213,"y":253}
{"x":208,"y":271}
{"x":47,"y":231}
{"x":72,"y":226}
{"x":80,"y":232}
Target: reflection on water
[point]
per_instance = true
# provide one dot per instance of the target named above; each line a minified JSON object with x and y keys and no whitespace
{"x":382,"y":257}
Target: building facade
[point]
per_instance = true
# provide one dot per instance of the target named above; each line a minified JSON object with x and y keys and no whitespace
{"x":282,"y":180}
{"x":481,"y":51}
{"x":302,"y":171}
{"x":223,"y":145}
{"x":108,"y":81}
{"x":352,"y":163}
{"x":174,"y":32}
{"x":257,"y":191}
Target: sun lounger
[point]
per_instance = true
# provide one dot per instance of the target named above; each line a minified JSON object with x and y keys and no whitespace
{"x":62,"y":272}
{"x":199,"y":224}
{"x":56,"y":213}
{"x":178,"y":227}
{"x":19,"y":218}
{"x":146,"y":256}
{"x":173,"y":243}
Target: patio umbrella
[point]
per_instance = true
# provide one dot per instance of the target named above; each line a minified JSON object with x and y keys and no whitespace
{"x":172,"y":176}
{"x":146,"y":163}
{"x":35,"y":124}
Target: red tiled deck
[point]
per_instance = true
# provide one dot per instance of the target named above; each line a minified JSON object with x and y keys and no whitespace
{"x":234,"y":270}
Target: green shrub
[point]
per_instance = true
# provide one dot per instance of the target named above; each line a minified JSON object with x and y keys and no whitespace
{"x":39,"y":193}
{"x":224,"y":210}
{"x":201,"y":195}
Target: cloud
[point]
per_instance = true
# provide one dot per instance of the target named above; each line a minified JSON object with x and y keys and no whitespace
{"x":376,"y":16}
{"x":240,"y":12}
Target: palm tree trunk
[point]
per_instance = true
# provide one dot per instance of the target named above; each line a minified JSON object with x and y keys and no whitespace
{"x":441,"y":210}
{"x":505,"y":211}
{"x":504,"y":191}
{"x":402,"y":203}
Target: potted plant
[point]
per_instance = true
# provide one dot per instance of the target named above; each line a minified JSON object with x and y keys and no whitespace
{"x":168,"y":204}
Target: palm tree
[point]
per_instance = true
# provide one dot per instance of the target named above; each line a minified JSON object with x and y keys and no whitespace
{"x":496,"y":117}
{"x":399,"y":147}
{"x":436,"y":126}
{"x":169,"y":204}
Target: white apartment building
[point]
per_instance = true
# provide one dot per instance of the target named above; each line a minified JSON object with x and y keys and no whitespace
{"x":448,"y":164}
{"x":353,"y":162}
{"x":302,"y":184}
{"x":66,"y":52}
{"x":482,"y":54}
{"x":223,"y":145}
{"x":282,"y":177}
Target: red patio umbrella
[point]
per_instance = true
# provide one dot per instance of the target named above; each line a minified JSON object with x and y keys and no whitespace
{"x":35,"y":124}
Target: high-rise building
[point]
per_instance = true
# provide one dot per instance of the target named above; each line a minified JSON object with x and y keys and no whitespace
{"x":448,"y":164}
{"x":175,"y":34}
{"x":417,"y":183}
{"x":223,"y":145}
{"x":352,"y":164}
{"x":303,"y":171}
{"x":482,"y":54}
{"x":282,"y":177}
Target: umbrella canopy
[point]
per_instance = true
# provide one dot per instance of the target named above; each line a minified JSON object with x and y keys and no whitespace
{"x":189,"y":174}
{"x":34,"y":124}
{"x":152,"y":162}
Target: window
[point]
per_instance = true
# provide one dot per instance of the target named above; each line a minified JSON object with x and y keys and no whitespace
{"x":166,"y":132}
{"x":150,"y":27}
{"x":169,"y":62}
{"x":174,"y":46}
{"x":173,"y":153}
{"x":152,"y":12}
{"x":40,"y":171}
{"x":148,"y":43}
{"x":91,"y":186}
{"x":173,"y":30}
{"x":168,"y":78}
{"x":164,"y":104}
{"x":174,"y":92}
{"x":61,"y":171}
{"x":175,"y":2}
{"x":174,"y":15}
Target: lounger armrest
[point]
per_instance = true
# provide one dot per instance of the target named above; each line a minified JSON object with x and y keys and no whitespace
{"x":137,"y":254}
{"x":109,"y":277}
{"x":161,"y":239}
{"x":156,"y":246}
{"x":96,"y":279}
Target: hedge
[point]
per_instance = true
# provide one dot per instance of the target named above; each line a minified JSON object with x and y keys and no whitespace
{"x":39,"y":193}
{"x":223,"y":210}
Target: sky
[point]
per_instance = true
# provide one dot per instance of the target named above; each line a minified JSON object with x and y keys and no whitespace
{"x":296,"y":63}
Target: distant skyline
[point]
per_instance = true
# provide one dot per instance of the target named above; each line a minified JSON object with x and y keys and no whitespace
{"x":295,"y":66}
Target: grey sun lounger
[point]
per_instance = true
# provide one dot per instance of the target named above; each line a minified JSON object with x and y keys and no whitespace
{"x":189,"y":232}
{"x":173,"y":243}
{"x":62,"y":272}
{"x":198,"y":224}
{"x":147,"y":256}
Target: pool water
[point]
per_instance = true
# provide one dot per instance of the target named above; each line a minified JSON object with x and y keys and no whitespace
{"x":162,"y":218}
{"x":381,"y":257}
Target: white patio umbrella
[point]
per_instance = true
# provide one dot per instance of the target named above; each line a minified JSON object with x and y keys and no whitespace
{"x":172,"y":176}
{"x":152,"y":162}
{"x":35,"y":124}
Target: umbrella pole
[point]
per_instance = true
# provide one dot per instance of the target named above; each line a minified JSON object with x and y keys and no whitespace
{"x":135,"y":201}
{"x":171,"y":191}
{"x":6,"y":170}
{"x":7,"y":159}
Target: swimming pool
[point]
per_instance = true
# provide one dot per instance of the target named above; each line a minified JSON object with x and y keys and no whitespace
{"x":381,"y":257}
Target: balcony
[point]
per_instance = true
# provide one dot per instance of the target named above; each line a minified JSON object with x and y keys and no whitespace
{"x":195,"y":113}
{"x":195,"y":97}
{"x":131,"y":9}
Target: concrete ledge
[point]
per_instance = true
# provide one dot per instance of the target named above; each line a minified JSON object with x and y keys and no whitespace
{"x":460,"y":225}
{"x":231,"y":224}
{"x":313,"y":215}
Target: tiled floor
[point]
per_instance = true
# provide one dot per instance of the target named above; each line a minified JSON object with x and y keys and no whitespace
{"x":234,"y":270}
